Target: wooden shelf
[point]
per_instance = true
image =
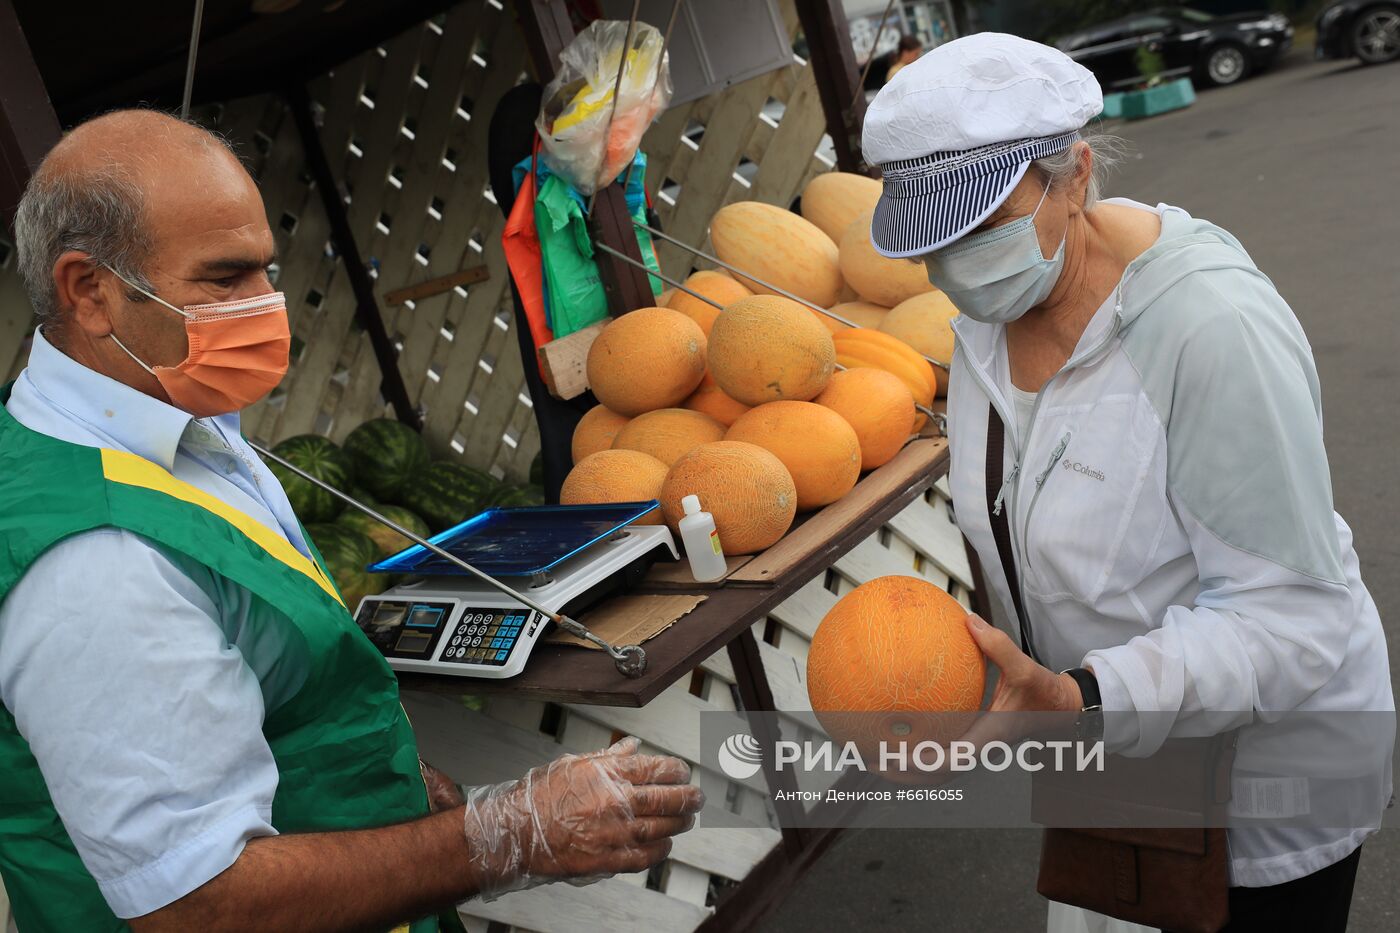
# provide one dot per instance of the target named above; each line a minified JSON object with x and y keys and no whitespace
{"x":565,"y":674}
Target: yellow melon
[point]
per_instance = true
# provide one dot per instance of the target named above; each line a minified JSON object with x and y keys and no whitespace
{"x":713,"y":285}
{"x":925,"y":322}
{"x":832,"y":200}
{"x":878,"y":406}
{"x":893,"y":662}
{"x":817,"y":446}
{"x":880,"y":280}
{"x":648,"y":359}
{"x":866,"y":337}
{"x":596,"y":431}
{"x":615,"y":476}
{"x":668,"y":432}
{"x":767,"y":348}
{"x":745,"y":488}
{"x":859,"y":313}
{"x":779,"y":247}
{"x":711,"y":400}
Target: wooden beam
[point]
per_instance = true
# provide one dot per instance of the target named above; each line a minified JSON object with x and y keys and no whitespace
{"x":564,"y":362}
{"x":366,"y":307}
{"x":28,"y":126}
{"x":443,"y":283}
{"x":838,"y":78}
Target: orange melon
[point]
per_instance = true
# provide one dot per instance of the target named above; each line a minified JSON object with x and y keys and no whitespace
{"x":766,"y":348}
{"x":668,"y":432}
{"x":710,"y":400}
{"x":648,"y":359}
{"x":748,"y":491}
{"x":925,"y":322}
{"x":859,"y":313}
{"x":893,"y":661}
{"x":615,"y":476}
{"x":779,"y":247}
{"x":818,"y":447}
{"x":832,"y":200}
{"x":596,"y":431}
{"x":712,"y":285}
{"x":878,"y":279}
{"x":878,"y":406}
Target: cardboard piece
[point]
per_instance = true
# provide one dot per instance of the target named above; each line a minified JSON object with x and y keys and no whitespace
{"x":629,"y":620}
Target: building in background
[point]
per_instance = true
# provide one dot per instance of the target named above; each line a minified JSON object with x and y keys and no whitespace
{"x":932,"y":22}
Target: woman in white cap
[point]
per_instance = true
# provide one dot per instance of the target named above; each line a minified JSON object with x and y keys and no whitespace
{"x":1137,"y":458}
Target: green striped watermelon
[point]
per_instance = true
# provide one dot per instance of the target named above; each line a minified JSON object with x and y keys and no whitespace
{"x":445,"y":494}
{"x":386,"y":540}
{"x":385,"y":453}
{"x":347,"y":552}
{"x":323,"y":460}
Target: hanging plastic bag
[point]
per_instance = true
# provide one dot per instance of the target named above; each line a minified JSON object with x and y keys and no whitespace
{"x":586,"y":139}
{"x":523,"y":254}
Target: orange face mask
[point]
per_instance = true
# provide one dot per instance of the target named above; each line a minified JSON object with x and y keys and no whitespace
{"x":238,"y":353}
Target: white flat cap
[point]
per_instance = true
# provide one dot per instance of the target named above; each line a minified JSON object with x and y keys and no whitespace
{"x":954,"y":132}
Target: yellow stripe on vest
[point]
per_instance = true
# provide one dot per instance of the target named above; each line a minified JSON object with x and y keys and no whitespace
{"x":131,"y":470}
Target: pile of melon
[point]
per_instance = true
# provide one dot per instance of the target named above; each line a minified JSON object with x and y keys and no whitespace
{"x":765,"y":408}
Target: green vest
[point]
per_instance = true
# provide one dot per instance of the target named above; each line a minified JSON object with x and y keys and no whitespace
{"x":345,"y":752}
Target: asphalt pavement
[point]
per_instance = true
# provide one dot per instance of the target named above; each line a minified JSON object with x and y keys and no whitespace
{"x":1303,"y":165}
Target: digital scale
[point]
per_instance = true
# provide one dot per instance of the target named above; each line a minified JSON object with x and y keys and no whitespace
{"x":564,"y":558}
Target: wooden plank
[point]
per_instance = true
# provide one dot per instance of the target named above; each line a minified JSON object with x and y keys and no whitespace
{"x":437,"y":285}
{"x":938,"y":539}
{"x":670,"y":574}
{"x":564,"y":362}
{"x":911,"y":468}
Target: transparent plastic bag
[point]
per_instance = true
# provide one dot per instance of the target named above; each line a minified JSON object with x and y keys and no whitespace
{"x":584,"y":140}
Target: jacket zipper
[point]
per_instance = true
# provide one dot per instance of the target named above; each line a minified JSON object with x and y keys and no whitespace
{"x":1019,"y":546}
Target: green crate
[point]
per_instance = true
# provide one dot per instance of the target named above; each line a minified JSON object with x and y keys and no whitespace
{"x":1161,"y":99}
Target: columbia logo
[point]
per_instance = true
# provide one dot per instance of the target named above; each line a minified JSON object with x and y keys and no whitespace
{"x":1078,"y":467}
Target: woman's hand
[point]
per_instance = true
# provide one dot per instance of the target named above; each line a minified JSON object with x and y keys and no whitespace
{"x":1023,"y":685}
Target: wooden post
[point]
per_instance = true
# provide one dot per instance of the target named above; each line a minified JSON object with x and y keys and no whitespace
{"x":548,"y":30}
{"x":28,"y":126}
{"x":838,"y":78}
{"x":366,"y":306}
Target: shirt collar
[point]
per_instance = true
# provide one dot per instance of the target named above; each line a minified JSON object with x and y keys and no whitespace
{"x":143,"y":425}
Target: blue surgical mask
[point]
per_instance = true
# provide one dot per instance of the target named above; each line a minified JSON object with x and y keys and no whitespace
{"x":997,"y":276}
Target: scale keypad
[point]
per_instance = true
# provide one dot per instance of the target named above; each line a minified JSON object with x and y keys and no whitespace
{"x":485,"y":637}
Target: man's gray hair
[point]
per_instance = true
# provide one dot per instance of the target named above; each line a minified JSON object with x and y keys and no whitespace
{"x":1060,"y":168}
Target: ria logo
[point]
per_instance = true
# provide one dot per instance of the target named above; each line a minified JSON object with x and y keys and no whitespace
{"x":740,"y":756}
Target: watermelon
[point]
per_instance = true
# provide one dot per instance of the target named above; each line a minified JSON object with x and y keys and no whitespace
{"x":323,"y":460}
{"x":385,"y":454}
{"x":347,"y":552}
{"x":445,"y":494}
{"x":386,"y":540}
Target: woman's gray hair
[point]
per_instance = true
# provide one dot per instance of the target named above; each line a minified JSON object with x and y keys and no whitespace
{"x":99,"y":211}
{"x":1060,"y":168}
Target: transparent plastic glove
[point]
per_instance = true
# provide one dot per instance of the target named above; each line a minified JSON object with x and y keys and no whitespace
{"x":579,"y":818}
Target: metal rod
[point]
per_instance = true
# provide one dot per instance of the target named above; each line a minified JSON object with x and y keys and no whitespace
{"x":660,"y":64}
{"x":660,"y":275}
{"x":874,"y":46}
{"x":194,"y":54}
{"x":715,"y":304}
{"x":628,"y":657}
{"x":617,"y":91}
{"x":768,"y":285}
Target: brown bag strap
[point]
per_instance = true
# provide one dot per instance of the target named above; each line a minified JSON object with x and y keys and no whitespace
{"x":1001,"y":525}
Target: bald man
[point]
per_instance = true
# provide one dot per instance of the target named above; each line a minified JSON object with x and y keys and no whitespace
{"x":194,"y":733}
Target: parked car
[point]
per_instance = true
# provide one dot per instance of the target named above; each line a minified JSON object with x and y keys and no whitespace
{"x":1364,"y":29}
{"x":1212,"y":50}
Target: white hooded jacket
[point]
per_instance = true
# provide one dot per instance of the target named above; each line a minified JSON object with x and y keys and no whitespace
{"x":1170,"y":508}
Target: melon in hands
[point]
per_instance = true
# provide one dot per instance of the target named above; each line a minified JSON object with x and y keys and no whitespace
{"x":818,"y":447}
{"x":767,"y":349}
{"x":745,"y":488}
{"x":780,"y":248}
{"x":647,"y":359}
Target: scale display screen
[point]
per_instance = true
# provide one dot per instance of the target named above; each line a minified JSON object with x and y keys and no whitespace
{"x":518,"y":542}
{"x":404,"y":629}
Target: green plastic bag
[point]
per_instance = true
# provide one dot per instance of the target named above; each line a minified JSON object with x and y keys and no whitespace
{"x":574,"y":295}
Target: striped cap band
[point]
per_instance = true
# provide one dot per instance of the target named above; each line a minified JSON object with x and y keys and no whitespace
{"x":930,"y":201}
